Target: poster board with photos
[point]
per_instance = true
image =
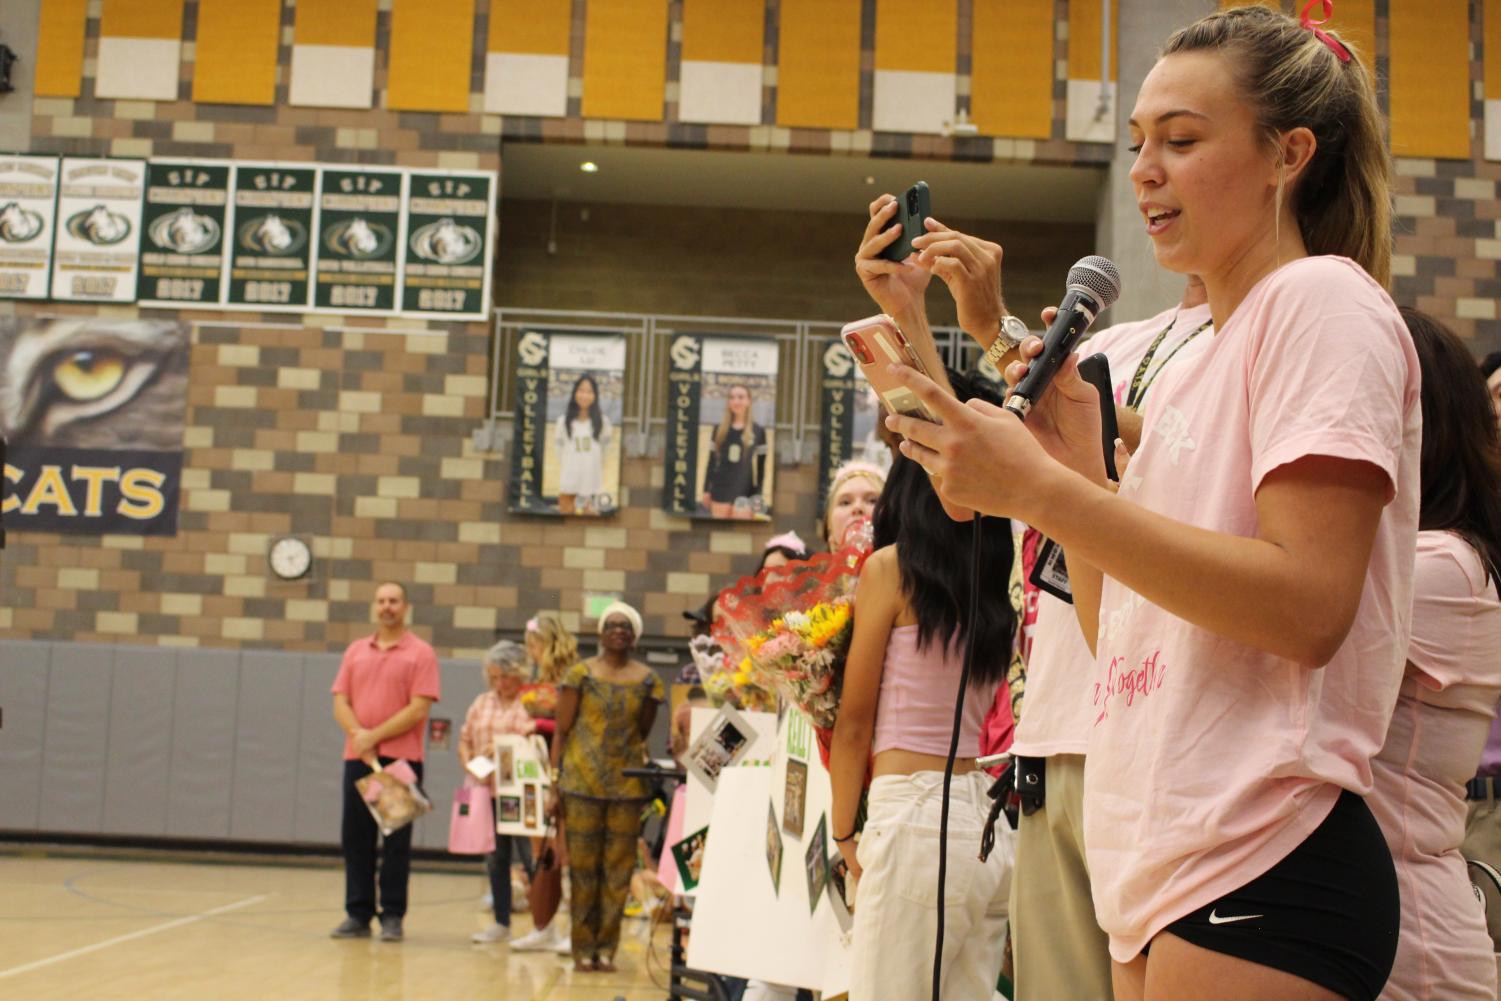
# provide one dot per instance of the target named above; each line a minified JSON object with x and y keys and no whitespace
{"x":721,"y":427}
{"x":182,"y":232}
{"x":97,"y":243}
{"x":521,"y":785}
{"x":570,"y":404}
{"x":850,"y":411}
{"x":796,"y":944}
{"x":701,"y":798}
{"x":28,"y":216}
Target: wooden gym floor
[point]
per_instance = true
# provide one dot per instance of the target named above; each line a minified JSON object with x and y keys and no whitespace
{"x":79,"y":926}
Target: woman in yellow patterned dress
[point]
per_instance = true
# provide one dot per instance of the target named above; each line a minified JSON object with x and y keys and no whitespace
{"x":606,"y":707}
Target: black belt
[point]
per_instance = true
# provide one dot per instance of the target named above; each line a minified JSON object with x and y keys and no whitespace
{"x":1483,"y":787}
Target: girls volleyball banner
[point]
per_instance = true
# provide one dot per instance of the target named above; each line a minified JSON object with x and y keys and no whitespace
{"x":570,"y":392}
{"x":721,"y":434}
{"x":850,"y":414}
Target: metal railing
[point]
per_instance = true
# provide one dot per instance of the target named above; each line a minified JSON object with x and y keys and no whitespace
{"x":800,"y":352}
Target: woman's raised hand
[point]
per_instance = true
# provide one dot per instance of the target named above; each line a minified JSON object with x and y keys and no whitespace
{"x":896,"y":286}
{"x":971,"y":268}
{"x":1066,"y":418}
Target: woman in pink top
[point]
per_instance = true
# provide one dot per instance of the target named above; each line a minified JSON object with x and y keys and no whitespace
{"x":896,"y":719}
{"x":1451,"y":684}
{"x":493,"y":713}
{"x":1248,"y":590}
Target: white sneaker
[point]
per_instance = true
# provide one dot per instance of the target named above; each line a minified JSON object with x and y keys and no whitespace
{"x":538,"y":940}
{"x":564,"y":946}
{"x":495,"y":933}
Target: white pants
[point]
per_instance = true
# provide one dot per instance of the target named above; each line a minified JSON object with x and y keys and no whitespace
{"x":896,"y":902}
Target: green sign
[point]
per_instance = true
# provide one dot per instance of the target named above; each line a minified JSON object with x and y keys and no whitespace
{"x":271,"y":239}
{"x":359,"y":226}
{"x":446,"y":258}
{"x":182,"y":232}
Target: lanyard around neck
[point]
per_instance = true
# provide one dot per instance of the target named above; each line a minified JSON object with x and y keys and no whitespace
{"x":1139,"y":382}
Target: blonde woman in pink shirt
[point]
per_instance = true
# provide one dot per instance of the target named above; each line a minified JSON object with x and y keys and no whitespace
{"x":493,"y":713}
{"x":1450,"y":685}
{"x":1247,"y":592}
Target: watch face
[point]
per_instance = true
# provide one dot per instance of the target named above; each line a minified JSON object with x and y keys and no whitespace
{"x":290,"y":558}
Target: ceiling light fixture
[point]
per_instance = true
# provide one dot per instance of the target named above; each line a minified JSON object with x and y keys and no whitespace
{"x":589,"y":167}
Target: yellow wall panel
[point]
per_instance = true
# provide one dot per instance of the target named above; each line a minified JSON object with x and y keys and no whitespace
{"x":625,"y":59}
{"x":539,"y":27}
{"x":1011,"y":76}
{"x":1491,"y":22}
{"x":349,"y":23}
{"x":1429,"y":46}
{"x":818,"y":70}
{"x":724,"y":31}
{"x":235,"y":60}
{"x":432,"y":47}
{"x":141,"y":19}
{"x":1084,"y":17}
{"x":59,"y":49}
{"x":919,"y":36}
{"x":1354,"y":21}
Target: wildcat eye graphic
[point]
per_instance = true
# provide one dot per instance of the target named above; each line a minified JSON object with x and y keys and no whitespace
{"x":99,"y":226}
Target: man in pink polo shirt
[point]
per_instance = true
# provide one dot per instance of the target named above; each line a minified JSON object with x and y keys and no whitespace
{"x":385,"y":685}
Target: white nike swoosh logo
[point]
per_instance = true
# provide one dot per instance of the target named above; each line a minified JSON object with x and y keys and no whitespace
{"x":1215,"y":919}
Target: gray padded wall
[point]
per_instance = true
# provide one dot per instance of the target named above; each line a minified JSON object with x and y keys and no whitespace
{"x":462,"y":680}
{"x":203,"y":743}
{"x":76,"y":738}
{"x":268,"y":719}
{"x":317,"y":805}
{"x":23,"y":696}
{"x":140,"y":741}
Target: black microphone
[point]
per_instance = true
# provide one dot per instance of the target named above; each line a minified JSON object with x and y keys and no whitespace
{"x":1093,"y":286}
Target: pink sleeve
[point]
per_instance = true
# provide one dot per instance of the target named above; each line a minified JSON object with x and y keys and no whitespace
{"x":1334,"y":373}
{"x":425,"y":680}
{"x":1446,"y":578}
{"x":341,"y":680}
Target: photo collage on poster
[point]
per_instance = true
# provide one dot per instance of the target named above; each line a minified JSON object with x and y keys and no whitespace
{"x":721,"y":427}
{"x":851,"y":417}
{"x":570,"y":391}
{"x":520,"y":785}
{"x":223,"y":234}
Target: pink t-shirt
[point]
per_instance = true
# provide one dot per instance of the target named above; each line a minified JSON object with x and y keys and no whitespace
{"x":381,"y":683}
{"x":1055,"y":719}
{"x":1443,"y":714}
{"x":1209,"y":760}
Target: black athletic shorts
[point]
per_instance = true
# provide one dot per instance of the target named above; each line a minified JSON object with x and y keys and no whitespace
{"x":1327,"y":913}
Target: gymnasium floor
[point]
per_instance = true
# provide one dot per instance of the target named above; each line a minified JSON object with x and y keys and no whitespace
{"x":81,"y":927}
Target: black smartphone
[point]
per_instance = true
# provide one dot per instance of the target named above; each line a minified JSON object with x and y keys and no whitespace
{"x":913,"y":208}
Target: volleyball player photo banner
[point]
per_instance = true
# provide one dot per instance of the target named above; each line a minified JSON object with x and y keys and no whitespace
{"x":28,"y":208}
{"x":94,"y":423}
{"x":97,"y":245}
{"x":721,"y":427}
{"x":851,"y":414}
{"x":182,"y":232}
{"x":570,"y":396}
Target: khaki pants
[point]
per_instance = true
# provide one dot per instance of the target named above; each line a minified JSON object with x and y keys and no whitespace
{"x":1059,"y":951}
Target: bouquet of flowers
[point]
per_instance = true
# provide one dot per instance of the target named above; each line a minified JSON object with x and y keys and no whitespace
{"x":723,"y":680}
{"x":540,"y":700}
{"x":788,"y":629}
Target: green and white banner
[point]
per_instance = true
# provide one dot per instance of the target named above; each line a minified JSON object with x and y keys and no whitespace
{"x":446,"y":255}
{"x":28,"y":213}
{"x":182,"y":232}
{"x":97,"y":246}
{"x":359,"y":229}
{"x":271,"y":241}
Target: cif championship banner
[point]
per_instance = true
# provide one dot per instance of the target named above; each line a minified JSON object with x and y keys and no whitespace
{"x":445,"y":264}
{"x":359,"y":229}
{"x":182,"y":232}
{"x":271,"y":243}
{"x":28,"y":209}
{"x":851,"y":415}
{"x":570,"y":392}
{"x":93,"y":410}
{"x":98,"y":230}
{"x":721,"y":433}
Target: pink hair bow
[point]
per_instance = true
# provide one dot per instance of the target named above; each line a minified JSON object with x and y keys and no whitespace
{"x":1306,"y":19}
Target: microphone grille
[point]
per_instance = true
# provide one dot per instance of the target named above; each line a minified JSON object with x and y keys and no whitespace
{"x":1099,"y":276}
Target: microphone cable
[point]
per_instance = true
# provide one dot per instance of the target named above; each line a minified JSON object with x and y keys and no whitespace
{"x":948,"y":768}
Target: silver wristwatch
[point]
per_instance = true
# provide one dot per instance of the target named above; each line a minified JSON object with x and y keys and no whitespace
{"x":1013,"y":331}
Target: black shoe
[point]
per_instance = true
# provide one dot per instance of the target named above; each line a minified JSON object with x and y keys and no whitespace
{"x":350,"y":928}
{"x":390,"y":928}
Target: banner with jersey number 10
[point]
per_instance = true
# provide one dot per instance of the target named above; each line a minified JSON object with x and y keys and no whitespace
{"x":570,"y":396}
{"x":721,"y":427}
